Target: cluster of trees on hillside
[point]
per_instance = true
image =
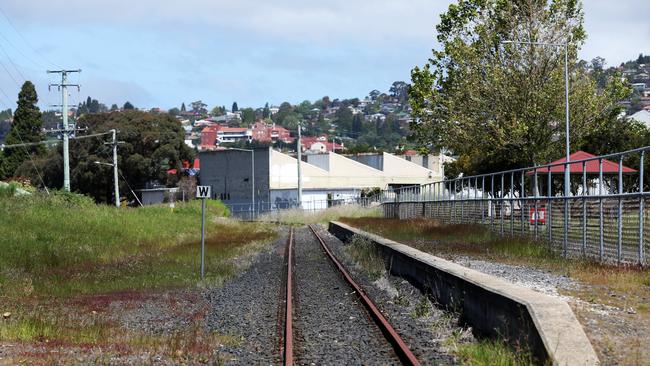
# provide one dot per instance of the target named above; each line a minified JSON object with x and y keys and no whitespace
{"x":501,"y":105}
{"x":152,"y":147}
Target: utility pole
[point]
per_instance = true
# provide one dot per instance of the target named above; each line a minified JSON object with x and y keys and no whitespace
{"x":299,"y":174}
{"x":115,"y":180}
{"x":63,"y":87}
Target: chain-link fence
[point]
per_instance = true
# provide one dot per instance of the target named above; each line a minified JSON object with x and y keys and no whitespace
{"x":592,"y":207}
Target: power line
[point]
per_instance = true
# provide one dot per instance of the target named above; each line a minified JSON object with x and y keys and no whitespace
{"x":8,"y":73}
{"x":25,"y":40}
{"x":12,"y":63}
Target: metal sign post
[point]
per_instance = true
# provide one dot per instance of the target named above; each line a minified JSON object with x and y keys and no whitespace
{"x":203,"y":192}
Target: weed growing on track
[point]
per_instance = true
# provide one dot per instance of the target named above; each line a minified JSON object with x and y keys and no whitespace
{"x":364,"y":253}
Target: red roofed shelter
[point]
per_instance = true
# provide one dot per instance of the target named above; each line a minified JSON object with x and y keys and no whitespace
{"x":591,"y":166}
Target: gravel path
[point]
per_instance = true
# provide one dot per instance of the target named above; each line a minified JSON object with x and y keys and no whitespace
{"x":537,"y":279}
{"x":246,"y":309}
{"x":429,"y":331}
{"x":330,"y":325}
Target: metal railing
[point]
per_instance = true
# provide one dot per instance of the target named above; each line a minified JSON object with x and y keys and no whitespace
{"x":604,"y":216}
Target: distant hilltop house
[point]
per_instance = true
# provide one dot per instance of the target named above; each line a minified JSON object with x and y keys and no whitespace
{"x":215,"y":134}
{"x":319,"y":145}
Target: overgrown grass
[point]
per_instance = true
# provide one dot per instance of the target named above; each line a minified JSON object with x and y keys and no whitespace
{"x":306,"y":217}
{"x":62,"y":255}
{"x":365,"y":254}
{"x":432,"y":236}
{"x":492,"y":353}
{"x":66,"y":245}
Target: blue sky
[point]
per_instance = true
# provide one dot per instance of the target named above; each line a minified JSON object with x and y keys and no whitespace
{"x":162,"y":53}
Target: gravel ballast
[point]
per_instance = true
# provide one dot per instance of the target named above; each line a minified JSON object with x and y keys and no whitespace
{"x":430,"y":332}
{"x":246,"y":309}
{"x":330,"y":325}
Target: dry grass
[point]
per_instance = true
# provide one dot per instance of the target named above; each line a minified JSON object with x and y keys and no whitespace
{"x":307,"y":217}
{"x":65,"y":261}
{"x":624,"y":288}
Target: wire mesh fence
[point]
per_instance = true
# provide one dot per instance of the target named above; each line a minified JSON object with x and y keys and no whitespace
{"x":593,"y":207}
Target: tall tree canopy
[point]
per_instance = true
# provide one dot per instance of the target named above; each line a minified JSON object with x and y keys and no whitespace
{"x":500,"y":105}
{"x":26,"y":128}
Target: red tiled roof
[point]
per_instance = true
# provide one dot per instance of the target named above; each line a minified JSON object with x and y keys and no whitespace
{"x":591,"y":166}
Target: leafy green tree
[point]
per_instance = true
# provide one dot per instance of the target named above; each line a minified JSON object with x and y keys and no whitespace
{"x":357,"y":124}
{"x":344,"y":119}
{"x":114,"y":107}
{"x":26,"y":128}
{"x":183,"y":109}
{"x":499,"y":105}
{"x":234,"y":108}
{"x":153,"y":144}
{"x":218,"y":111}
{"x":248,"y":115}
{"x":174,"y":112}
{"x":284,"y":111}
{"x":266,"y":113}
{"x":399,"y":90}
{"x":128,"y":106}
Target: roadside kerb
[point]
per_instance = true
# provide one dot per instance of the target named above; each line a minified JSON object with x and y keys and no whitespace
{"x":492,"y":306}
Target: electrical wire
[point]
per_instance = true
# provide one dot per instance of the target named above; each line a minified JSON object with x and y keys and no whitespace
{"x":25,"y":40}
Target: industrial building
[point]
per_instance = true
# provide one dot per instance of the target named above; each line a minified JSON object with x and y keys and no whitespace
{"x":271,"y":180}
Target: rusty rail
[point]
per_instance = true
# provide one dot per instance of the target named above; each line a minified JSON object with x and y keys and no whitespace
{"x":401,"y":349}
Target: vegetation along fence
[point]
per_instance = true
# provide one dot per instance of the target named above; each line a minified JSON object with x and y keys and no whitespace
{"x":600,"y":214}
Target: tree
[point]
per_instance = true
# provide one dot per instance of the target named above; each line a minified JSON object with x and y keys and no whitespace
{"x":199,"y":108}
{"x":174,"y":112}
{"x":114,"y":107}
{"x":183,"y":109}
{"x":501,"y":106}
{"x":128,"y":106}
{"x":153,"y":144}
{"x":266,"y":113}
{"x":374,"y":94}
{"x":357,"y":125}
{"x":218,"y":111}
{"x":344,"y":120}
{"x":399,"y":90}
{"x":285,"y":110}
{"x":25,"y":128}
{"x":248,"y":115}
{"x":234,"y":108}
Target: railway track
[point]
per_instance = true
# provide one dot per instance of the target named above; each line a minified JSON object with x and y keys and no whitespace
{"x":332,"y":312}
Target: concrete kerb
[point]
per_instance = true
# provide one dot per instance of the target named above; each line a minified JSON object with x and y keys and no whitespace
{"x":492,"y":306}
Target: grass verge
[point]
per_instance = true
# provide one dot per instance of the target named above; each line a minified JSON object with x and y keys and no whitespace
{"x":66,"y":261}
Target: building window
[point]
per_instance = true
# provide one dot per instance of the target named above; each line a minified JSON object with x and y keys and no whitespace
{"x":425,"y":161}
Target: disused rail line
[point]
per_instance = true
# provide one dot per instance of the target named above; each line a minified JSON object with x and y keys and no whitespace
{"x":399,"y":346}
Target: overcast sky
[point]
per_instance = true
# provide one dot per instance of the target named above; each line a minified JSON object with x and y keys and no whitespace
{"x":162,"y":52}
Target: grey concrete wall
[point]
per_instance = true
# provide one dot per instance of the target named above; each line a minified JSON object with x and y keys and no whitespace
{"x":490,"y":305}
{"x":229,"y":174}
{"x":372,"y":160}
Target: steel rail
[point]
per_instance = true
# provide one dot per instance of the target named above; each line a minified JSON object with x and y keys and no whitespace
{"x":401,"y":349}
{"x":288,"y":323}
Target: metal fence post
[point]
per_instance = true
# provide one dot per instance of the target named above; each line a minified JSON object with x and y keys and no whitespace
{"x":512,"y":203}
{"x":482,"y":200}
{"x":522,"y":202}
{"x":641,"y":208}
{"x":501,"y":201}
{"x":492,"y":209}
{"x":567,"y":190}
{"x":584,"y":208}
{"x":601,"y":249}
{"x":549,"y":210}
{"x":462,"y":202}
{"x":536,"y":208}
{"x":619,"y":247}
